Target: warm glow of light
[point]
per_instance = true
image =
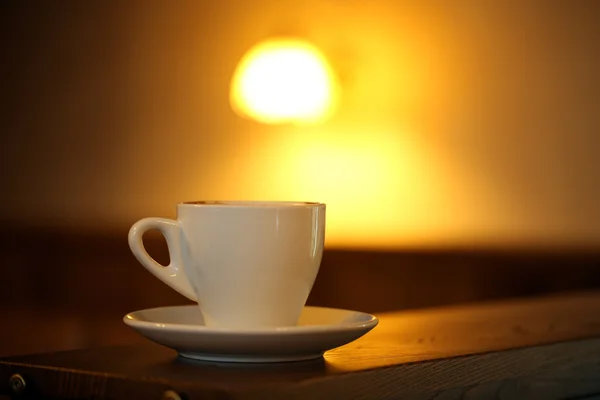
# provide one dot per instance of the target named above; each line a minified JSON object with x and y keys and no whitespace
{"x":351,"y":173}
{"x":377,"y":186}
{"x":284,"y":81}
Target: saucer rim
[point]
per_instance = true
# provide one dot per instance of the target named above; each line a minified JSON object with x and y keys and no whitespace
{"x":371,"y":323}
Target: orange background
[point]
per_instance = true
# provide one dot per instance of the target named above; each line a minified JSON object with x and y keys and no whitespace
{"x":466,"y":123}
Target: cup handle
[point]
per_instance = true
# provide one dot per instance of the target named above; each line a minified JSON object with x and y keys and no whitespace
{"x":172,"y":274}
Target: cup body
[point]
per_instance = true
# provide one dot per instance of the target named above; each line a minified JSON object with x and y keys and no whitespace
{"x":247,"y":264}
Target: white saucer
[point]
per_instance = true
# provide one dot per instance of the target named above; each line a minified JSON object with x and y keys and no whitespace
{"x":182,"y":329}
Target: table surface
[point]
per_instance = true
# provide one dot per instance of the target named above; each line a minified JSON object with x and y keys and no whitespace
{"x":546,"y":348}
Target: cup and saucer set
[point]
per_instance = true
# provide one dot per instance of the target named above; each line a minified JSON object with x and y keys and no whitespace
{"x":250,"y":267}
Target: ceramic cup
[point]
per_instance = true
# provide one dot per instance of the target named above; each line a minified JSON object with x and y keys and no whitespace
{"x":247,"y":264}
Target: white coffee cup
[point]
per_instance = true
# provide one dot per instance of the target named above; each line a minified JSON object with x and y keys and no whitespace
{"x":247,"y":264}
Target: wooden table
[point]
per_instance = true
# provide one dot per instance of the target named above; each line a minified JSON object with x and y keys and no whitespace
{"x":545,"y":348}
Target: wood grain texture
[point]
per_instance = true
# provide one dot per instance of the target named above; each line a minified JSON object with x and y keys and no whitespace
{"x":547,"y":348}
{"x":419,"y":335}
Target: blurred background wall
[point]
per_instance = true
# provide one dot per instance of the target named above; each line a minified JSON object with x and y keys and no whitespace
{"x":464,"y":123}
{"x":461,"y":165}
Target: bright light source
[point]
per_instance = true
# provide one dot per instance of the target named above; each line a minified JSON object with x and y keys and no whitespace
{"x":284,"y":81}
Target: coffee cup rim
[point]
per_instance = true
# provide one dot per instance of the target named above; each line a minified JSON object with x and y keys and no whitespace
{"x":249,"y":203}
